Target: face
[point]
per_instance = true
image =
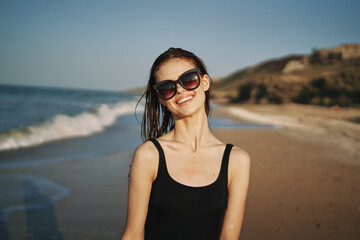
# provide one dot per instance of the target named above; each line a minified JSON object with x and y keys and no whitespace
{"x":185,"y":102}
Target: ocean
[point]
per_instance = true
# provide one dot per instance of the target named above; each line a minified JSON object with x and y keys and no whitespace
{"x":37,"y":115}
{"x":55,"y":143}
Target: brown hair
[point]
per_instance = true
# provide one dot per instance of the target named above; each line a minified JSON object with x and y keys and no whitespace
{"x":157,"y":119}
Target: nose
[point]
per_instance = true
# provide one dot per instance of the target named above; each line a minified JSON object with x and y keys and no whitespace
{"x":179,"y":88}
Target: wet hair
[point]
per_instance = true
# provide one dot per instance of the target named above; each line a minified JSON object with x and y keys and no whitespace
{"x":157,"y":119}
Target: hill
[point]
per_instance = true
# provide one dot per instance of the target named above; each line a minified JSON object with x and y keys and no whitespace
{"x":325,"y":77}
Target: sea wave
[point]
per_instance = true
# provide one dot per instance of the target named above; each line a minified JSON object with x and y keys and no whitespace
{"x":64,"y":126}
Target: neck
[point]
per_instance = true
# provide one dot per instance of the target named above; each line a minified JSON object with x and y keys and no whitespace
{"x":192,"y":130}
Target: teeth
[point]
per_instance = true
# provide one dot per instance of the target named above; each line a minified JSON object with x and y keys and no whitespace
{"x":185,"y":99}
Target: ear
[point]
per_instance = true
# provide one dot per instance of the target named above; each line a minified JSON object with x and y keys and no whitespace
{"x":206,"y":80}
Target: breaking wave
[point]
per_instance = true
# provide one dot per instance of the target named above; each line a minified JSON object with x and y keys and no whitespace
{"x":64,"y":126}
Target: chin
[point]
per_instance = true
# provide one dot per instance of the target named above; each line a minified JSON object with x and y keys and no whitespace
{"x":188,"y":111}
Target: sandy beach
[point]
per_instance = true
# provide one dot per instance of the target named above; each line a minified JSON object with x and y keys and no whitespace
{"x":305,"y":181}
{"x":305,"y":177}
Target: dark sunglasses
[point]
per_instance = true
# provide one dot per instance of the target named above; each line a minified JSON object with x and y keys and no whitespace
{"x":189,"y":80}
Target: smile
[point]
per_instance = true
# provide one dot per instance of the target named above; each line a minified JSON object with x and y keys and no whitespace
{"x":184,"y":99}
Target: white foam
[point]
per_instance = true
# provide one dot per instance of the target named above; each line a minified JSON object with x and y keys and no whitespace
{"x":63,"y":126}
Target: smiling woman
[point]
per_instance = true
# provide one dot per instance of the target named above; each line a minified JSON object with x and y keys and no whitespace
{"x":184,"y":182}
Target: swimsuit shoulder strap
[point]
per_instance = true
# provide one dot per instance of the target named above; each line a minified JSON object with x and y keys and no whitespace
{"x":161,"y":155}
{"x":225,"y":163}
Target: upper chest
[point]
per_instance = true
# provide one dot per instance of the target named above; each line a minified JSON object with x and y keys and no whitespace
{"x":194,"y":168}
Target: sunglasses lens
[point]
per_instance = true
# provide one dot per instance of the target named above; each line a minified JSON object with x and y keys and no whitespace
{"x":166,"y":90}
{"x":190,"y":81}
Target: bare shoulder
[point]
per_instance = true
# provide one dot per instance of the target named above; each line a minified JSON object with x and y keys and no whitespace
{"x":239,"y":161}
{"x":147,"y":150}
{"x":239,"y":155}
{"x":145,"y":159}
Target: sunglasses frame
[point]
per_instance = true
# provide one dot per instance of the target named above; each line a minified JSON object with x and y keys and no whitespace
{"x":194,"y":70}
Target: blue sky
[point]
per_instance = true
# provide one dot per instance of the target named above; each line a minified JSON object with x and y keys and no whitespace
{"x":111,"y":45}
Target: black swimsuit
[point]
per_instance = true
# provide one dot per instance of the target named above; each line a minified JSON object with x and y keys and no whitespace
{"x":178,"y":211}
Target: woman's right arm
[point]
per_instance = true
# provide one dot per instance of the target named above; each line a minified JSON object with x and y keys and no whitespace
{"x":142,"y":174}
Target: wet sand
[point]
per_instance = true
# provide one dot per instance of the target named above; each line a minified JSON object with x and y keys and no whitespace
{"x":94,"y":209}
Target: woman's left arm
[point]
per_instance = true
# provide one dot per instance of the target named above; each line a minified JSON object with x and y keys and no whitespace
{"x":239,"y":172}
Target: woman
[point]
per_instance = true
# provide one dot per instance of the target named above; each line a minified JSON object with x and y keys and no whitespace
{"x":184,"y":182}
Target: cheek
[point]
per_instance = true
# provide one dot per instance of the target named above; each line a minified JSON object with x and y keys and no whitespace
{"x":201,"y":90}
